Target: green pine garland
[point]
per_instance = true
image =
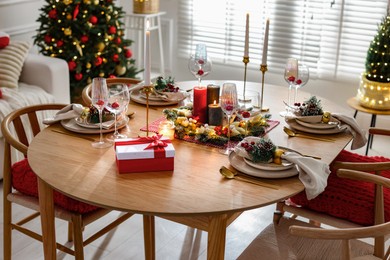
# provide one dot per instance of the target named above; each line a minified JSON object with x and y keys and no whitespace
{"x":88,"y":34}
{"x":378,"y":54}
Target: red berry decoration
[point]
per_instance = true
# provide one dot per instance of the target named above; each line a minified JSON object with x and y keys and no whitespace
{"x":112,"y":30}
{"x":118,"y":40}
{"x":115,"y":57}
{"x":98,"y":61}
{"x":72,"y":65}
{"x":48,"y":39}
{"x":78,"y":76}
{"x":229,"y":107}
{"x":53,"y":14}
{"x":60,"y":43}
{"x":246,"y":114}
{"x":128,"y":53}
{"x":100,"y":102}
{"x":200,"y":72}
{"x":93,"y":20}
{"x":291,"y":78}
{"x":115,"y":105}
{"x":112,"y":76}
{"x":84,"y":39}
{"x":299,"y":82}
{"x":201,"y":62}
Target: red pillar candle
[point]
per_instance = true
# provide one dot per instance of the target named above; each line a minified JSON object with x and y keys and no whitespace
{"x":200,"y":104}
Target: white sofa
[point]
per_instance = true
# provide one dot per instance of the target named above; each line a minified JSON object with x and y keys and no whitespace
{"x":43,"y":80}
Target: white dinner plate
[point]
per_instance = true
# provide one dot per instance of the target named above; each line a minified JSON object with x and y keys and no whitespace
{"x":293,"y":124}
{"x":270,"y":166}
{"x":71,"y":125}
{"x":239,"y":164}
{"x":137,"y":96}
{"x":319,"y":125}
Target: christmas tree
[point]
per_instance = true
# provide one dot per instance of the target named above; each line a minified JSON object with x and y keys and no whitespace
{"x":88,"y":34}
{"x":378,"y":54}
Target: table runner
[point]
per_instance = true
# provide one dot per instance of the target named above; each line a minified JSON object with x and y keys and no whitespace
{"x":153,"y":127}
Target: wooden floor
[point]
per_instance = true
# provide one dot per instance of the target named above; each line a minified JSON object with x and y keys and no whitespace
{"x":173,"y":241}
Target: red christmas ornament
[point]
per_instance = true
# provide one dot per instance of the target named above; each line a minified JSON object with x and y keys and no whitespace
{"x":76,"y":12}
{"x":299,"y":82}
{"x":112,"y":30}
{"x":98,"y":61}
{"x":100,"y":102}
{"x":115,"y":105}
{"x":78,"y":76}
{"x":246,"y":114}
{"x":72,"y":65}
{"x":128,"y":53}
{"x":53,"y":14}
{"x":93,"y":20}
{"x":112,"y":76}
{"x":60,"y":43}
{"x":200,"y":72}
{"x":291,"y":79}
{"x":84,"y":39}
{"x":118,"y":40}
{"x":115,"y":57}
{"x":47,"y":39}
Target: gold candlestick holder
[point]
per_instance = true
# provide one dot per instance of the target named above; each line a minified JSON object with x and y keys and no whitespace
{"x":246,"y":61}
{"x":263,"y":69}
{"x":147,"y":90}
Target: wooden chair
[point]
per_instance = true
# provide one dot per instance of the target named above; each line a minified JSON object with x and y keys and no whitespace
{"x":86,"y":95}
{"x":294,"y":239}
{"x":16,"y":138}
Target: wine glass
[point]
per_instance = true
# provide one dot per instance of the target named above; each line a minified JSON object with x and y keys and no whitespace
{"x":290,"y":75}
{"x":199,"y":64}
{"x":302,"y":79}
{"x":100,"y":101}
{"x":119,"y":98}
{"x":229,"y":105}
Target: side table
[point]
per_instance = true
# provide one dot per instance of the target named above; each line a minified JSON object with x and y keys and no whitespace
{"x":137,"y":22}
{"x":354,"y":103}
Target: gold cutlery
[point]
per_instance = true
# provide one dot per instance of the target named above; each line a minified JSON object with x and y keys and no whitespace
{"x":70,"y":134}
{"x":235,"y":175}
{"x":292,"y":133}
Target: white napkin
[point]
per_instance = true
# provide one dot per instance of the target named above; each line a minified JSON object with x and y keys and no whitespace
{"x":359,"y":135}
{"x":68,"y":112}
{"x":312,"y":173}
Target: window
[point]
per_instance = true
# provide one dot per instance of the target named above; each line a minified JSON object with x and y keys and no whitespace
{"x":331,"y":36}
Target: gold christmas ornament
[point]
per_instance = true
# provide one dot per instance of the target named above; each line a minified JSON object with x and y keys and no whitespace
{"x":100,"y":46}
{"x":87,"y":2}
{"x":68,"y":2}
{"x":120,"y":70}
{"x":108,"y":17}
{"x":88,"y":65}
{"x":101,"y":74}
{"x":119,"y":50}
{"x":104,"y":60}
{"x":69,"y":17}
{"x":95,"y":2}
{"x":68,"y":31}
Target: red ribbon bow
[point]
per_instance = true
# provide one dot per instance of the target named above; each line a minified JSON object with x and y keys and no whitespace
{"x":155,"y":142}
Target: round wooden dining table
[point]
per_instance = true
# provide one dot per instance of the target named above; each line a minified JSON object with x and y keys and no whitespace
{"x":194,"y":193}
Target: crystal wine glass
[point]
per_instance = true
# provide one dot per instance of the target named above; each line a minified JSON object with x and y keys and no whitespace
{"x":290,"y":75}
{"x":100,"y":101}
{"x":302,"y":79}
{"x":200,"y":64}
{"x":119,"y":98}
{"x":229,"y":105}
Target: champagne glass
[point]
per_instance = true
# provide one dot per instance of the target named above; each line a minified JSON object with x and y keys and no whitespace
{"x":290,"y":75}
{"x":229,"y":105}
{"x":100,"y":101}
{"x":119,"y":98}
{"x":302,"y":79}
{"x":199,"y":64}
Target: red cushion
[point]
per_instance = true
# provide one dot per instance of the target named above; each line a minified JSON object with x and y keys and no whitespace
{"x":4,"y":40}
{"x":25,"y":181}
{"x":348,"y":199}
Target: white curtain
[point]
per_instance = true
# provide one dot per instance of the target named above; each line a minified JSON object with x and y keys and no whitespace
{"x":330,"y":36}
